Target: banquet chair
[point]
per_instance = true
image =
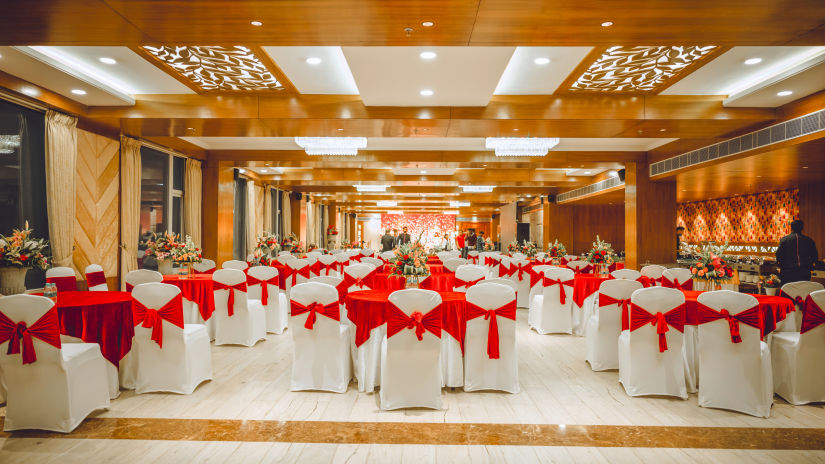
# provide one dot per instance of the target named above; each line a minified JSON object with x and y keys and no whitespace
{"x":734,"y":364}
{"x":320,"y":356}
{"x":467,"y":275}
{"x":314,"y":254}
{"x":63,"y":277}
{"x":357,"y":277}
{"x":298,"y":273}
{"x":336,"y":282}
{"x":328,"y":265}
{"x":521,"y":277}
{"x":569,"y":258}
{"x":535,"y":280}
{"x":206,"y":266}
{"x":580,"y":267}
{"x":366,"y":359}
{"x":95,"y":278}
{"x":374,"y":261}
{"x":798,"y":376}
{"x":141,"y":276}
{"x":472,"y":256}
{"x":235,"y":264}
{"x":388,"y":255}
{"x":653,"y":272}
{"x":335,"y":251}
{"x":498,"y":280}
{"x":284,"y":253}
{"x":605,"y":325}
{"x":411,"y":351}
{"x":518,"y":256}
{"x":490,"y":356}
{"x":170,"y":356}
{"x":452,"y":363}
{"x":283,"y":259}
{"x":628,"y":274}
{"x":49,"y":386}
{"x":275,"y":303}
{"x":451,"y":264}
{"x":553,"y":312}
{"x":677,"y":277}
{"x":444,"y":256}
{"x":797,"y":291}
{"x":650,"y":362}
{"x":343,"y":261}
{"x":238,"y":321}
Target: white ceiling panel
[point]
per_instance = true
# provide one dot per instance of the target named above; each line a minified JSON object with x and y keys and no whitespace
{"x":457,"y":76}
{"x":327,"y":71}
{"x":525,"y":76}
{"x":800,"y":85}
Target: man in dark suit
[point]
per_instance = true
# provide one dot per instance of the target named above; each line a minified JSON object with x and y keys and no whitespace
{"x":796,"y":255}
{"x":404,"y":238}
{"x":387,"y":241}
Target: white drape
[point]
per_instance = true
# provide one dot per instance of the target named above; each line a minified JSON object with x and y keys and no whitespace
{"x":286,"y":211}
{"x":192,"y":202}
{"x":61,"y":160}
{"x":130,"y":173}
{"x":310,"y":224}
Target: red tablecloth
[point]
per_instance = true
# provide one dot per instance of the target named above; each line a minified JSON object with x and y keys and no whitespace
{"x":104,"y":318}
{"x":434,"y":260}
{"x":438,"y":269}
{"x":774,"y":309}
{"x":387,"y":281}
{"x":366,"y":310}
{"x":439,"y":282}
{"x":586,"y":285}
{"x":197,"y":289}
{"x":281,"y":273}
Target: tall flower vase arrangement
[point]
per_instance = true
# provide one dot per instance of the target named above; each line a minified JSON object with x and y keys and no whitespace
{"x":710,"y":269}
{"x":160,"y":246}
{"x":266,"y":248}
{"x":410,"y":262}
{"x":601,"y":256}
{"x":186,"y":254}
{"x":19,"y":252}
{"x":556,"y":252}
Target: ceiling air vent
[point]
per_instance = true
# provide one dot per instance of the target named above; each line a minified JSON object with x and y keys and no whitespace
{"x":600,"y":186}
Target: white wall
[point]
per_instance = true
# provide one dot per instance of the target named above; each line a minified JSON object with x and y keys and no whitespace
{"x":508,"y":225}
{"x":372,"y":232}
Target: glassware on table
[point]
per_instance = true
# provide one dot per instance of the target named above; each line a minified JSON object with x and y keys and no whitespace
{"x":50,"y":291}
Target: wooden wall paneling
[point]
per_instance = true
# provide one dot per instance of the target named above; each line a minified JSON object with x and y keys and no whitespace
{"x":606,"y":221}
{"x":650,"y":218}
{"x":218,"y":210}
{"x":97,"y":216}
{"x":494,"y":227}
{"x":485,"y":226}
{"x":812,"y":213}
{"x":299,"y":216}
{"x":558,"y":224}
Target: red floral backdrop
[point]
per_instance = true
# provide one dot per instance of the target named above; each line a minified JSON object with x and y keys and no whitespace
{"x":432,"y":225}
{"x":762,"y":217}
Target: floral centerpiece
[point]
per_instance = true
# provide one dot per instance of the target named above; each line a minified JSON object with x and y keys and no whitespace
{"x":186,"y":253}
{"x":160,"y":246}
{"x":556,"y":251}
{"x":710,"y":264}
{"x":488,"y":245}
{"x":410,"y":260}
{"x":18,"y":253}
{"x":267,"y":247}
{"x":527,"y":248}
{"x":771,"y":283}
{"x":601,"y":255}
{"x":331,"y":230}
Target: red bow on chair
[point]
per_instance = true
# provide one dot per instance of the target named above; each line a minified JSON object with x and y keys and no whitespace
{"x":535,"y":277}
{"x":397,"y":321}
{"x":93,"y":279}
{"x":46,"y":328}
{"x":583,"y":270}
{"x":359,"y":282}
{"x":521,"y":268}
{"x":326,"y":267}
{"x":355,"y":258}
{"x":799,"y":302}
{"x":813,"y":315}
{"x":488,"y":261}
{"x":473,"y":311}
{"x":64,"y":283}
{"x":675,"y":318}
{"x":129,"y":287}
{"x":686,"y":285}
{"x":230,"y":303}
{"x":264,"y":286}
{"x":547,"y":282}
{"x":458,"y":283}
{"x":504,"y":270}
{"x":607,"y":300}
{"x":751,"y":317}
{"x":474,"y":259}
{"x":331,"y":311}
{"x":315,"y":268}
{"x":304,"y":271}
{"x":153,"y":319}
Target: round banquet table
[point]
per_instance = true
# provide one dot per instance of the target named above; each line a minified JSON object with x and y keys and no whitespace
{"x":196,"y":288}
{"x":774,"y":309}
{"x":437,"y":269}
{"x":366,"y":310}
{"x":104,"y":318}
{"x":387,"y":281}
{"x":586,"y":285}
{"x":434,"y":260}
{"x":444,"y":282}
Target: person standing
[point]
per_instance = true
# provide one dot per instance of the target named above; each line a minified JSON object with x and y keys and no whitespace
{"x":480,"y":241}
{"x":472,"y":241}
{"x":387,"y":241}
{"x":404,"y":238}
{"x":459,"y":243}
{"x":796,"y":255}
{"x":466,"y":242}
{"x":680,"y":231}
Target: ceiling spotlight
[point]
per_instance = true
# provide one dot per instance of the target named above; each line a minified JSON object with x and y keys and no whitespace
{"x":242,"y":170}
{"x":477,"y":188}
{"x":313,"y":60}
{"x":452,"y":212}
{"x":541,"y":61}
{"x":78,"y":91}
{"x":371,"y":188}
{"x":612,"y":173}
{"x":340,"y":128}
{"x":607,"y":23}
{"x":105,"y":60}
{"x":30,"y":91}
{"x":426,"y":93}
{"x":753,"y":61}
{"x":423,"y":171}
{"x":784,"y":93}
{"x":427,"y":55}
{"x":386,"y":203}
{"x":331,"y":145}
{"x":459,"y":204}
{"x":263,"y":169}
{"x":662,"y":129}
{"x":256,"y":23}
{"x":428,"y":24}
{"x":521,"y":146}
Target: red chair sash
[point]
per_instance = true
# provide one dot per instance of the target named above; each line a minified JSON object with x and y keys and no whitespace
{"x":331,"y":311}
{"x":153,"y":319}
{"x":458,"y":283}
{"x":473,"y":311}
{"x":397,"y":321}
{"x":363,"y":283}
{"x":333,"y":266}
{"x":504,"y":270}
{"x":315,"y":268}
{"x":584,"y":270}
{"x":355,"y":258}
{"x":93,"y":279}
{"x":687,"y":285}
{"x":19,"y":335}
{"x":548,"y":282}
{"x":521,"y":269}
{"x":488,"y":261}
{"x":129,"y":287}
{"x":474,"y":259}
{"x":607,"y":300}
{"x":230,"y":303}
{"x":304,"y":271}
{"x":674,"y":318}
{"x":799,"y":302}
{"x":751,"y":317}
{"x":64,"y":283}
{"x":812,"y":317}
{"x":535,"y":277}
{"x":208,"y":271}
{"x":264,"y":287}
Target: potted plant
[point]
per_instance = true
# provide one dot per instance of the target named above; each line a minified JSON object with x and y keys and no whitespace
{"x":601,"y":255}
{"x":711,"y":267}
{"x":186,"y":253}
{"x":556,"y":251}
{"x":771,"y":284}
{"x":19,"y":252}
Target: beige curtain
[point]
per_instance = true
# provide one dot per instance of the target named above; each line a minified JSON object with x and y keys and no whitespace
{"x":310,"y":224}
{"x":260,"y":217}
{"x":193,"y":190}
{"x":250,"y":217}
{"x":286,"y":211}
{"x":129,"y":206}
{"x":61,"y":158}
{"x":268,"y":208}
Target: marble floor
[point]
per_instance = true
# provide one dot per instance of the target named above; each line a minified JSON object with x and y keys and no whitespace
{"x":564,"y":413}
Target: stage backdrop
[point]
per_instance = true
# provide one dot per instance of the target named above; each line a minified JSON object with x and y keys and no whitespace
{"x":433,"y":226}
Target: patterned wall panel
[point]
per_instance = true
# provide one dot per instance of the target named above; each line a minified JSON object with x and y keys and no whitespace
{"x":762,"y":217}
{"x":97,"y":220}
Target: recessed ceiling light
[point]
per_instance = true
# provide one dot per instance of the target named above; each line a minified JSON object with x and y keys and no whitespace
{"x":607,"y":23}
{"x":256,"y":23}
{"x":662,"y":129}
{"x":106,"y":60}
{"x":313,"y":60}
{"x":541,"y":61}
{"x":784,"y":93}
{"x":30,"y":91}
{"x":78,"y":91}
{"x":427,"y":55}
{"x":587,"y":172}
{"x":423,"y":171}
{"x":426,"y":93}
{"x":340,"y":128}
{"x":804,"y":167}
{"x":263,"y":169}
{"x":753,"y":61}
{"x":515,"y":130}
{"x":612,"y":173}
{"x":242,"y":170}
{"x":428,"y":24}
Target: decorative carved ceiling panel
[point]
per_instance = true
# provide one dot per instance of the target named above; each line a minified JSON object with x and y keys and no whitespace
{"x":218,"y":68}
{"x":638,"y":69}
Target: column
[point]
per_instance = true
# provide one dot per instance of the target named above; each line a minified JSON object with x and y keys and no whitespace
{"x":650,"y":218}
{"x":218,"y":210}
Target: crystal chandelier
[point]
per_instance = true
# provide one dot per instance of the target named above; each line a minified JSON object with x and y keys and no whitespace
{"x":9,"y":143}
{"x":331,"y":145}
{"x":521,"y":146}
{"x":477,"y":188}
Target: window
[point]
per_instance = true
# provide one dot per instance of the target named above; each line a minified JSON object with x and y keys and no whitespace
{"x":277,"y":214}
{"x":239,"y":219}
{"x":161,"y":196}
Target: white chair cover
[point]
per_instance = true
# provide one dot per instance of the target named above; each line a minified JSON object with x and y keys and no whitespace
{"x":327,"y":260}
{"x":284,"y":253}
{"x":735,"y":376}
{"x":60,"y":271}
{"x":143,"y":276}
{"x":498,"y":280}
{"x":296,"y":278}
{"x":643,"y":370}
{"x":605,"y":324}
{"x":276,"y":307}
{"x":336,"y":251}
{"x":185,"y":359}
{"x":797,"y":291}
{"x":522,"y":281}
{"x":551,"y":314}
{"x":451,"y":264}
{"x":58,"y":390}
{"x":366,"y":359}
{"x":358,"y":271}
{"x":335,"y":281}
{"x":410,"y":368}
{"x":283,"y":259}
{"x":321,"y":358}
{"x":311,"y":260}
{"x":481,"y":371}
{"x":388,"y":254}
{"x":569,"y":258}
{"x":96,"y":288}
{"x":518,"y":256}
{"x":798,"y":376}
{"x":677,"y":274}
{"x":629,"y":274}
{"x":538,"y":288}
{"x":234,"y":264}
{"x":314,"y":254}
{"x":374,"y":261}
{"x":578,"y":265}
{"x":205,"y":265}
{"x":653,"y":271}
{"x":247,"y":325}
